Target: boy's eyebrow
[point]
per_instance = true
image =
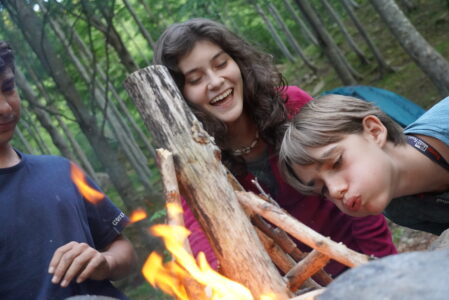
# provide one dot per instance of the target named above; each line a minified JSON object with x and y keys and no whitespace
{"x":213,"y":58}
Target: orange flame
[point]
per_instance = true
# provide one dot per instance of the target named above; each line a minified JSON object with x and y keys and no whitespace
{"x":173,"y":277}
{"x":92,"y":195}
{"x":169,"y":277}
{"x":138,"y":215}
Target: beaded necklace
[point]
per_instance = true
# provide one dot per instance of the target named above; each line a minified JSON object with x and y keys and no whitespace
{"x":246,"y":150}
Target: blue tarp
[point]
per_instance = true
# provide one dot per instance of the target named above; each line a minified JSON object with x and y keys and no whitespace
{"x":400,"y":109}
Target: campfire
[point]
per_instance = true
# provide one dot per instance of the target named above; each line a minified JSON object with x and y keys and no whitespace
{"x":185,"y":277}
{"x":250,"y":250}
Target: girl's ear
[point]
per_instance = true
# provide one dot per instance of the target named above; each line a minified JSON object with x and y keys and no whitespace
{"x":374,"y":129}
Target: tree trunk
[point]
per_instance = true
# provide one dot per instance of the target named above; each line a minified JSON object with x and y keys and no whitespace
{"x":309,"y":35}
{"x":432,"y":63}
{"x":112,"y":37}
{"x":351,"y":42}
{"x":42,"y":116}
{"x":382,"y":65}
{"x":409,"y":5}
{"x":327,"y":43}
{"x":274,"y":34}
{"x":291,"y":38}
{"x":139,"y":23}
{"x":235,"y":242}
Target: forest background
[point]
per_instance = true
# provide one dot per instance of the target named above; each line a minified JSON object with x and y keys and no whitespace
{"x":72,"y":57}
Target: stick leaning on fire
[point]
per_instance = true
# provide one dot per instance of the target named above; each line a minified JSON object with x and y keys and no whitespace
{"x":226,"y":224}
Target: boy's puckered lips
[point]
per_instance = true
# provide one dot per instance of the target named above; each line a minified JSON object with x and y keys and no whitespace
{"x":352,"y":203}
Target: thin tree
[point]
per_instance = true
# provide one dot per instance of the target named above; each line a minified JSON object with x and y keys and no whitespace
{"x":432,"y":63}
{"x":382,"y":65}
{"x":111,"y":34}
{"x":274,"y":33}
{"x":146,"y":34}
{"x":326,"y":43}
{"x":274,"y":12}
{"x":352,"y":44}
{"x":307,"y":33}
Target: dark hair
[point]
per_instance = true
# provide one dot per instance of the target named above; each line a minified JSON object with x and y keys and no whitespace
{"x":262,"y":82}
{"x":6,"y":57}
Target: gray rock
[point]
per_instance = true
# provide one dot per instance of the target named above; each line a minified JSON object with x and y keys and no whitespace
{"x":442,"y":242}
{"x":410,"y":276}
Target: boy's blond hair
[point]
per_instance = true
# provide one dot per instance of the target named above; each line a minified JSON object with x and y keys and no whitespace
{"x":323,"y":121}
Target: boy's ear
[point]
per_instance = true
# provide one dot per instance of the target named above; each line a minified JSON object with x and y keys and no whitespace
{"x":374,"y":129}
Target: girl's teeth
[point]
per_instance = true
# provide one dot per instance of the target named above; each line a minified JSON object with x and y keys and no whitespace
{"x":221,"y":97}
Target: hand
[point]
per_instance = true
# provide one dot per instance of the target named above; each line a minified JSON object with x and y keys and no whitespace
{"x":78,"y":260}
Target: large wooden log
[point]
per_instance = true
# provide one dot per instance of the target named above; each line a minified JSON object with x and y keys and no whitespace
{"x":203,"y":181}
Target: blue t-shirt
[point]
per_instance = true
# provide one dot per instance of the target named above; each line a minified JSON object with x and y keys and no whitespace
{"x":41,"y":209}
{"x":428,"y":212}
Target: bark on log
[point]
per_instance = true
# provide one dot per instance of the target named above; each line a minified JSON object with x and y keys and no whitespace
{"x":203,"y":181}
{"x":298,"y":230}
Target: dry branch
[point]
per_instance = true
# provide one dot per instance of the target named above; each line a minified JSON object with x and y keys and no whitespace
{"x":311,"y":264}
{"x":298,"y":230}
{"x":171,"y":191}
{"x":288,"y":245}
{"x":284,"y":262}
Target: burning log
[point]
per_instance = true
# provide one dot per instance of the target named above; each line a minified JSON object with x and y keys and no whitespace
{"x":203,"y":181}
{"x":295,"y":228}
{"x":175,"y":214}
{"x":171,"y":190}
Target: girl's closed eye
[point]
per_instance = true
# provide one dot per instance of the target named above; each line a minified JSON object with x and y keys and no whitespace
{"x":222,"y":64}
{"x":193,"y":80}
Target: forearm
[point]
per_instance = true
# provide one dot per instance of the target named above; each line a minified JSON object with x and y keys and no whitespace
{"x":121,"y":258}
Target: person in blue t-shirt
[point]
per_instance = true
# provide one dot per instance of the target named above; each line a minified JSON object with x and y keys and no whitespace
{"x":351,"y":152}
{"x":53,"y":243}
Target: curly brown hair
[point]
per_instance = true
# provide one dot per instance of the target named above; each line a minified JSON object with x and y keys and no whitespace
{"x":6,"y":57}
{"x":262,"y":82}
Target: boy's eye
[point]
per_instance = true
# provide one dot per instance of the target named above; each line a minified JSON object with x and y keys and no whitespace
{"x":337,"y":163}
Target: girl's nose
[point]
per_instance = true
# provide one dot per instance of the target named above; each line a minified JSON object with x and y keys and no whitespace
{"x":215,"y":80}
